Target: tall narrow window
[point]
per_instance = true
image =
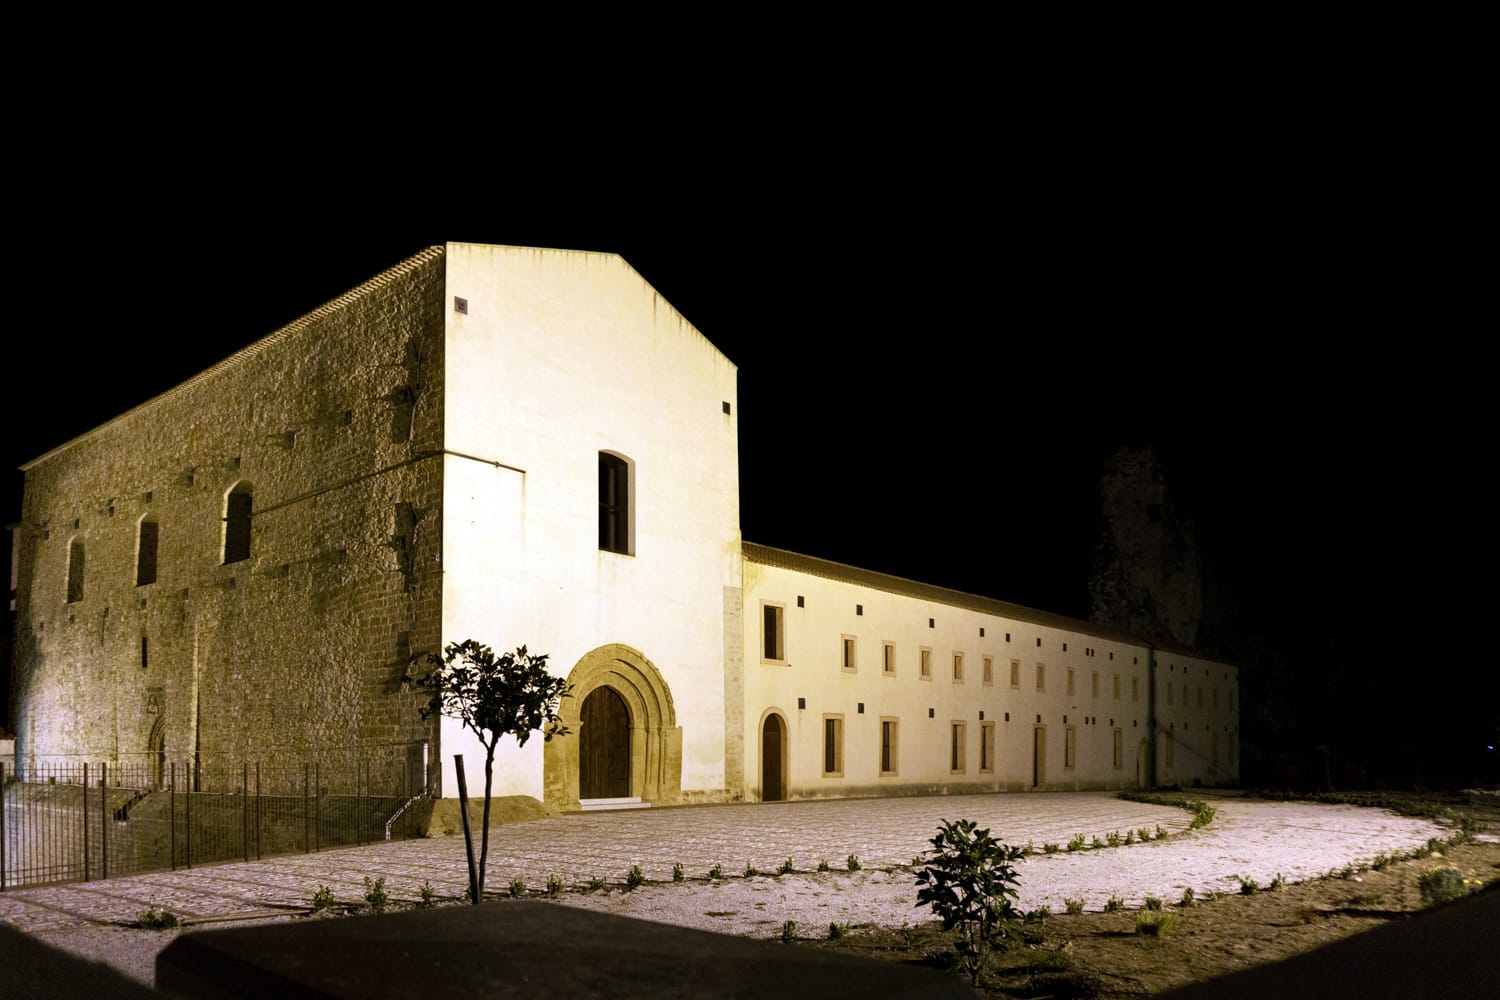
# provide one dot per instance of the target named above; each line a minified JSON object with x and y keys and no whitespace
{"x":925,"y":659}
{"x":1135,"y":689}
{"x":237,"y":507}
{"x":989,"y":671}
{"x":1041,"y":677}
{"x":614,"y":503}
{"x":987,"y":747}
{"x":890,"y":657}
{"x":958,"y":667}
{"x":1070,"y":747}
{"x":1119,"y":749}
{"x":1094,"y":685}
{"x":956,"y":748}
{"x":773,"y":634}
{"x":145,"y":552}
{"x":1070,"y":680}
{"x":847,"y":656}
{"x":1117,"y":687}
{"x":888,"y":746}
{"x":1015,"y":674}
{"x":833,"y":746}
{"x":75,"y":570}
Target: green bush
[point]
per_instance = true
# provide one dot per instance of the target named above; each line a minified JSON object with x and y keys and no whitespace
{"x":1078,"y":843}
{"x":1114,"y":838}
{"x":852,"y":861}
{"x":153,"y":919}
{"x":1129,"y":837}
{"x":789,"y":931}
{"x":375,"y":894}
{"x":1443,"y":885}
{"x":1247,"y":886}
{"x":677,"y":873}
{"x":750,"y":870}
{"x":1073,"y":906}
{"x":554,"y":884}
{"x":1144,"y":833}
{"x":836,"y":931}
{"x":969,"y":881}
{"x":1276,"y":883}
{"x":786,"y":867}
{"x":1038,"y":915}
{"x":634,"y":878}
{"x":1155,"y":923}
{"x":428,"y":896}
{"x":517,"y":888}
{"x":1152,"y":903}
{"x":596,"y":883}
{"x":1114,"y":904}
{"x":823,"y":865}
{"x":322,"y":899}
{"x":1051,"y":848}
{"x":1187,"y":897}
{"x":716,"y":872}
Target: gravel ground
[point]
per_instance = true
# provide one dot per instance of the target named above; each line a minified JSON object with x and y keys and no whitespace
{"x":1258,"y":840}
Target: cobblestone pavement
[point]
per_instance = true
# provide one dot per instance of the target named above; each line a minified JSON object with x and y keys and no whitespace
{"x":1256,"y":839}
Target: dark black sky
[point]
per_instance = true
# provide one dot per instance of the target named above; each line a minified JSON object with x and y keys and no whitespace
{"x":945,"y":314}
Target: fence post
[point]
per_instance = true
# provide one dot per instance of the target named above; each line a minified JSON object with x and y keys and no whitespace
{"x":318,"y":806}
{"x":172,"y":815}
{"x":187,"y":824}
{"x":85,"y":822}
{"x":103,"y":820}
{"x":306,"y":809}
{"x":245,"y":808}
{"x":2,"y":827}
{"x":257,"y":810}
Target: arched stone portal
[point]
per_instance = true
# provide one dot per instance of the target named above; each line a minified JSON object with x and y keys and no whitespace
{"x":655,"y":769}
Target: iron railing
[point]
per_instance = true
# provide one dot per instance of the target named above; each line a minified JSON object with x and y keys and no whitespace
{"x":76,"y":820}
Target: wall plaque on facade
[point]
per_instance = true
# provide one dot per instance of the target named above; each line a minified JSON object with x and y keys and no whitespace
{"x":153,"y":701}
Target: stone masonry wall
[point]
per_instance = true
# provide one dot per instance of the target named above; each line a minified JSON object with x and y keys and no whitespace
{"x":336,"y":422}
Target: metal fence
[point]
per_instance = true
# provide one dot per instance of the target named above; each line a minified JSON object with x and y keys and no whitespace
{"x":75,"y":821}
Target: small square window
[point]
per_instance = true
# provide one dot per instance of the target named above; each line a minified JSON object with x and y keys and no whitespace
{"x":859,"y":609}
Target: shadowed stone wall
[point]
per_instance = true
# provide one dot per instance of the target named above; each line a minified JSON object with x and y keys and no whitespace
{"x":336,"y":424}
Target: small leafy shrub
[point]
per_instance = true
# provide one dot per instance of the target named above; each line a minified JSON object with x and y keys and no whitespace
{"x":852,"y":862}
{"x":789,"y":931}
{"x":1144,"y":833}
{"x":554,"y":884}
{"x":1155,"y":923}
{"x":634,"y":878}
{"x":1276,"y":883}
{"x":1114,"y":904}
{"x":375,"y":894}
{"x":517,"y":888}
{"x":596,"y":883}
{"x":1442,"y":885}
{"x":1161,"y":832}
{"x":1203,"y":814}
{"x":750,"y":870}
{"x":1381,"y":861}
{"x":1129,"y":837}
{"x":1347,"y":872}
{"x":823,"y":865}
{"x":153,"y":919}
{"x":1187,"y":897}
{"x":837,"y":930}
{"x":322,"y":899}
{"x":1435,"y":846}
{"x":1030,"y":846}
{"x":786,"y":867}
{"x":427,"y":896}
{"x":1152,"y":903}
{"x":1078,"y":843}
{"x":716,"y":872}
{"x":1114,"y":838}
{"x":969,"y":881}
{"x":1038,"y":915}
{"x":1247,"y":885}
{"x":1073,"y":906}
{"x":1051,"y":848}
{"x":1096,"y":844}
{"x":1052,"y":960}
{"x":677,"y":873}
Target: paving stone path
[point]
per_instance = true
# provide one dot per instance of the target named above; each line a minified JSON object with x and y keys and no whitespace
{"x":1256,"y":839}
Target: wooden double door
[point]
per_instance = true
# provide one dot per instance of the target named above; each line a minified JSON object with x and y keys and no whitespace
{"x":604,"y":746}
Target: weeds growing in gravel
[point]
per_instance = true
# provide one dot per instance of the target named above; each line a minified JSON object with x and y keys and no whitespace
{"x":837,"y":930}
{"x":1248,"y":886}
{"x":427,"y":896}
{"x":596,"y":883}
{"x":554,"y":884}
{"x":1276,"y":883}
{"x":1114,"y":904}
{"x":1073,"y":906}
{"x":634,"y":878}
{"x":153,"y":919}
{"x":1187,"y":897}
{"x":1152,"y":903}
{"x":677,"y":873}
{"x":823,"y":865}
{"x":517,"y":888}
{"x":750,"y":871}
{"x":716,"y":872}
{"x":1078,"y":843}
{"x":789,"y":931}
{"x":375,"y":894}
{"x":322,"y":899}
{"x":786,"y":867}
{"x":852,"y":861}
{"x":1051,"y":848}
{"x":1114,"y":838}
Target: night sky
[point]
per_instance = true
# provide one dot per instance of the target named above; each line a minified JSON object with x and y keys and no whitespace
{"x":940,"y":335}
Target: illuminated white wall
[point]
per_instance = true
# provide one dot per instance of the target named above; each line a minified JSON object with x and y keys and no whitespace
{"x":556,"y":356}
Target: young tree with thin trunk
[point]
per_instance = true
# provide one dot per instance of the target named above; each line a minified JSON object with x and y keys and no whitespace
{"x":507,"y":695}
